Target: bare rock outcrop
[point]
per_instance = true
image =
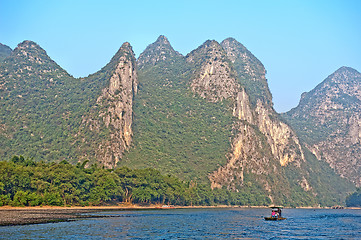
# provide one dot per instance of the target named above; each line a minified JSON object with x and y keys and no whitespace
{"x":283,"y":141}
{"x":242,"y":108}
{"x":214,"y":79}
{"x":114,"y":109}
{"x":262,"y":142}
{"x":245,"y":156}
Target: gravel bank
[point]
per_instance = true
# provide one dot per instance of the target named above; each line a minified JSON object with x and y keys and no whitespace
{"x":33,"y":216}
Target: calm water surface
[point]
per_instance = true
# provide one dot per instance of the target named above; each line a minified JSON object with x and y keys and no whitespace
{"x":200,"y":224}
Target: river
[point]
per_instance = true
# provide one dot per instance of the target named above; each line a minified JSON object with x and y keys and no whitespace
{"x":232,"y":223}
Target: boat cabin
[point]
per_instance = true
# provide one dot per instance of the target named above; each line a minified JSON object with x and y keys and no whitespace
{"x":276,"y":213}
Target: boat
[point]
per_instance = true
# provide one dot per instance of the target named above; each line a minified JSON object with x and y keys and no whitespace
{"x":337,"y":207}
{"x":276,"y":214}
{"x":166,"y":207}
{"x":274,"y":218}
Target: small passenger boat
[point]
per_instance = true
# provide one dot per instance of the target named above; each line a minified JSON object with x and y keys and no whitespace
{"x":276,"y":214}
{"x":166,"y":207}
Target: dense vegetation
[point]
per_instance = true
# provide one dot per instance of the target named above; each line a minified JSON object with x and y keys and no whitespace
{"x":175,"y":131}
{"x":42,"y":107}
{"x":5,"y":51}
{"x":42,"y":115}
{"x":354,"y":199}
{"x":24,"y":182}
{"x":328,"y":189}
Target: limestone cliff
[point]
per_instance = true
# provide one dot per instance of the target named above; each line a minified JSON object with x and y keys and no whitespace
{"x":328,"y":119}
{"x":251,"y":72}
{"x":214,"y":79}
{"x":114,"y":109}
{"x":242,"y":108}
{"x":284,"y":143}
{"x":247,"y":155}
{"x":263,"y":143}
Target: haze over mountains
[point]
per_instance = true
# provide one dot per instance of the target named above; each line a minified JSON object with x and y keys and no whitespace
{"x":205,"y":117}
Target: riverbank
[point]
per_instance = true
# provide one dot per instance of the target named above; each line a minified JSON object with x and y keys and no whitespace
{"x":24,"y":216}
{"x":49,"y":214}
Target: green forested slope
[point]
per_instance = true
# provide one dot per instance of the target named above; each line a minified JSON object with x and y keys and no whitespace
{"x":44,"y":115}
{"x":5,"y":51}
{"x":175,"y":131}
{"x":42,"y":106}
{"x":354,"y":199}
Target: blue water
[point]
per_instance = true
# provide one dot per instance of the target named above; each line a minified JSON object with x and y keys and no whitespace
{"x":235,"y":223}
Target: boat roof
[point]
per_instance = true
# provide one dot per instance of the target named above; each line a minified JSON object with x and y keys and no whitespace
{"x":278,"y":207}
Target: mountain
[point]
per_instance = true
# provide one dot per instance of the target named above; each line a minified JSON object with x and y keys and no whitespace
{"x":159,"y":51}
{"x":206,"y":118}
{"x":209,"y":117}
{"x":266,"y":156}
{"x":250,"y":70}
{"x":112,"y":113}
{"x":5,"y":51}
{"x":49,"y":115}
{"x":328,"y":118}
{"x":174,"y":130}
{"x":32,"y":95}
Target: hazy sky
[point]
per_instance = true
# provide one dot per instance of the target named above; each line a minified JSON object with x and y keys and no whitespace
{"x":300,"y":42}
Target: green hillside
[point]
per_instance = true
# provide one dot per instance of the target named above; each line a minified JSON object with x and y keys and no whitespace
{"x":42,"y":106}
{"x":174,"y":130}
{"x":5,"y":51}
{"x":180,"y":117}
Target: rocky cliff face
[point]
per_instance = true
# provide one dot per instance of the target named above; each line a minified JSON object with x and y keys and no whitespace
{"x":283,"y":141}
{"x":251,"y":72}
{"x":328,"y":119}
{"x":214,"y":79}
{"x":247,"y":155}
{"x":114,"y":108}
{"x":263,"y":142}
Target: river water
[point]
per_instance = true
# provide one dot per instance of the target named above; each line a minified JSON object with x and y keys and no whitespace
{"x":233,"y":223}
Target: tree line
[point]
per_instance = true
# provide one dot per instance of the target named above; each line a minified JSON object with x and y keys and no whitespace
{"x":24,"y":182}
{"x":354,"y":199}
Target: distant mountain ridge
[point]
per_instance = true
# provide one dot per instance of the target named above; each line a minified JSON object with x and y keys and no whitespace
{"x":205,"y":117}
{"x":5,"y":51}
{"x":328,"y":118}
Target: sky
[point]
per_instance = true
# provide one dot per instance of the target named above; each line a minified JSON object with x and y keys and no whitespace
{"x":300,"y":42}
